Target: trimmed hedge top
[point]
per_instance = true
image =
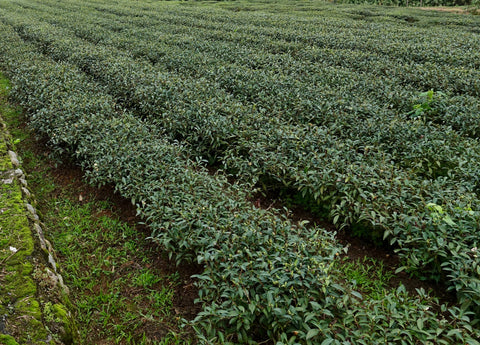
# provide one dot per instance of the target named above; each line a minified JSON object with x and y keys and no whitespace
{"x":285,"y":109}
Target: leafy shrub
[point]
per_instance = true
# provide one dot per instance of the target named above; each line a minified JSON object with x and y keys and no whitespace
{"x":411,"y":2}
{"x":366,"y":160}
{"x":376,"y":167}
{"x":194,"y":215}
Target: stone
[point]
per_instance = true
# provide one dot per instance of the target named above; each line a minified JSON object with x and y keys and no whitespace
{"x":14,"y":158}
{"x":52,"y":262}
{"x":26,"y":192}
{"x":39,"y":231}
{"x":31,"y":209}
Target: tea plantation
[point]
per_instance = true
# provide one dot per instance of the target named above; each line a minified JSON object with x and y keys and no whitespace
{"x":370,"y":114}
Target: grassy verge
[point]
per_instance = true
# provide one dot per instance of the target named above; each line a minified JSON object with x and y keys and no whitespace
{"x":369,"y":276}
{"x":33,"y":301}
{"x":121,"y":296}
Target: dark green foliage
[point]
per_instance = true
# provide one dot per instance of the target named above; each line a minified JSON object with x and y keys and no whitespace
{"x":316,"y":104}
{"x":410,"y":2}
{"x":194,"y":215}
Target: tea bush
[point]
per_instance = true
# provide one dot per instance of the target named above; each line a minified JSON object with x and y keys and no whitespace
{"x":411,"y":2}
{"x":194,"y":215}
{"x":276,"y":106}
{"x":380,"y":164}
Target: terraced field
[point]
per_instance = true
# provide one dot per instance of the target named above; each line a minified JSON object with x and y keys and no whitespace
{"x":370,"y":115}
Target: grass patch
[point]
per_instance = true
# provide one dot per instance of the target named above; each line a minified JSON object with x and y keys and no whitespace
{"x":120,"y":296}
{"x":369,"y":276}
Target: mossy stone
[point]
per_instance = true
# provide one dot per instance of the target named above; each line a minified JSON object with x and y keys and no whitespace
{"x":67,"y":322}
{"x":7,"y":340}
{"x":18,"y":289}
{"x":5,"y":162}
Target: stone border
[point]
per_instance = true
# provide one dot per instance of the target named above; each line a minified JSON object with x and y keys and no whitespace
{"x":34,"y":304}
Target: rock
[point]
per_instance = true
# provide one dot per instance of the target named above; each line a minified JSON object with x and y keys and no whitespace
{"x":14,"y":158}
{"x":26,"y":192}
{"x":39,"y":231}
{"x":52,"y":262}
{"x":31,"y":209}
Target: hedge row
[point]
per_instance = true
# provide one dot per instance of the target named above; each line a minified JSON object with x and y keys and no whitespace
{"x":191,"y":213}
{"x":237,"y":40}
{"x":380,"y":174}
{"x":264,"y":277}
{"x":387,"y":75}
{"x":363,"y":175}
{"x":323,"y":114}
{"x":412,"y":2}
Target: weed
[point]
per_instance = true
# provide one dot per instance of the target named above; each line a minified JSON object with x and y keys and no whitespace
{"x":430,"y":104}
{"x":146,"y":279}
{"x":368,"y":275}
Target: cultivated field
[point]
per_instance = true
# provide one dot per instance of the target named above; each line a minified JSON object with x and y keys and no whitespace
{"x":369,"y":115}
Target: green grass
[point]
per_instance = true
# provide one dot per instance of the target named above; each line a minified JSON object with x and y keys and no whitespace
{"x":118,"y":295}
{"x":118,"y":292}
{"x":368,"y":275}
